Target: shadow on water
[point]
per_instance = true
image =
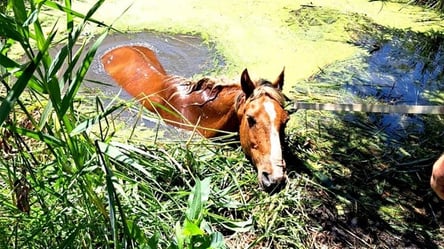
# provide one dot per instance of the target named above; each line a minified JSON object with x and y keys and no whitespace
{"x":375,"y":168}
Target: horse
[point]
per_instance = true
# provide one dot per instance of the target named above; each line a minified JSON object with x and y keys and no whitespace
{"x":254,"y":109}
{"x":437,"y":177}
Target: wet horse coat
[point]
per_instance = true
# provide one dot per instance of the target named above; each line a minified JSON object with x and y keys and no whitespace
{"x":437,"y":177}
{"x":254,"y":109}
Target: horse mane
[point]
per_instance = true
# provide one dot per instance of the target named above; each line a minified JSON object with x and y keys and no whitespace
{"x":215,"y":86}
{"x":210,"y":85}
{"x":265,"y":87}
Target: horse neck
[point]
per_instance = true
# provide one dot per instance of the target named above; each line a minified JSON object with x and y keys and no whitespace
{"x":136,"y":69}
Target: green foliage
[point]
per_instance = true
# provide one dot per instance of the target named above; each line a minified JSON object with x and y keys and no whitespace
{"x":66,"y":180}
{"x":191,"y":234}
{"x":435,"y":4}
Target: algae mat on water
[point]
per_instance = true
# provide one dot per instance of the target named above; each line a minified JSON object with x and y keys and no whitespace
{"x":259,"y":34}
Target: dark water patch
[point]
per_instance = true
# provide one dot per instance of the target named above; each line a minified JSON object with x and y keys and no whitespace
{"x":407,"y":68}
{"x":404,"y":70}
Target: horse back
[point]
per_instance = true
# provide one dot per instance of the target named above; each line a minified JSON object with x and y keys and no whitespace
{"x":136,"y":69}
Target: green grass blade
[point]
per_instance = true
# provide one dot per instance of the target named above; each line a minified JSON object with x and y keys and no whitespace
{"x":198,"y":197}
{"x":74,"y":88}
{"x":18,"y":6}
{"x":47,"y":139}
{"x":21,"y":83}
{"x":66,"y":10}
{"x":82,"y":127}
{"x":58,"y":61}
{"x":17,"y":89}
{"x":93,"y":9}
{"x":69,"y":17}
{"x":117,"y":155}
{"x":7,"y":63}
{"x":8,"y":28}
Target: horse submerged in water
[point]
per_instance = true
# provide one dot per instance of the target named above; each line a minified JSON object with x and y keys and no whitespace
{"x":254,"y":109}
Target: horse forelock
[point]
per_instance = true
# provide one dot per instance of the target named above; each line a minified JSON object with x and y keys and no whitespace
{"x":265,"y":88}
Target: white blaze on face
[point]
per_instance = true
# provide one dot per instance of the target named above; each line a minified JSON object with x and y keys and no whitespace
{"x":275,"y":142}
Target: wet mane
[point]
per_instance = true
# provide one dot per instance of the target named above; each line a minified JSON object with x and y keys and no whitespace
{"x":212,"y":87}
{"x":264,"y":87}
{"x":202,"y":84}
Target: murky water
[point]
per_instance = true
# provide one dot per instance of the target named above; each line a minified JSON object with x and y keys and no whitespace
{"x":406,"y":69}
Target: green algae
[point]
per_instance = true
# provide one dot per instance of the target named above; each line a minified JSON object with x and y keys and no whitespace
{"x":260,"y":35}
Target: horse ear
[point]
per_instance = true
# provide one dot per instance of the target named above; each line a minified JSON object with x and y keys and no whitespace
{"x":246,"y":83}
{"x":279,"y":82}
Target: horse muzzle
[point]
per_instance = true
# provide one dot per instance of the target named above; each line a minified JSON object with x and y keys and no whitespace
{"x":275,"y":179}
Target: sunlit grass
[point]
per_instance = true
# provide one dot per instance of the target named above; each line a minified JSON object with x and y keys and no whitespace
{"x":72,"y":175}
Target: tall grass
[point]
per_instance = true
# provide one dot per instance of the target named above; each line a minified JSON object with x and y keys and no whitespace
{"x":65,"y":181}
{"x":48,"y":193}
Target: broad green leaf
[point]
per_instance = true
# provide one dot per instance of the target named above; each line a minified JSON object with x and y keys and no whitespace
{"x":74,"y":87}
{"x":197,"y":199}
{"x":7,"y":63}
{"x":191,"y":229}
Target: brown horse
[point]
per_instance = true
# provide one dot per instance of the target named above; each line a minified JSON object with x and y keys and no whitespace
{"x":437,"y":178}
{"x":252,"y":108}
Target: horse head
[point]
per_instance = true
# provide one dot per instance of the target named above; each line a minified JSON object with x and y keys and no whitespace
{"x":262,"y":120}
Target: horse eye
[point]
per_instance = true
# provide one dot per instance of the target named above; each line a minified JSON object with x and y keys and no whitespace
{"x":251,"y":121}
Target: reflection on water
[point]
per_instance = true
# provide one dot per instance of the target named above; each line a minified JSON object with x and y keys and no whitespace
{"x":406,"y":69}
{"x":403,"y":70}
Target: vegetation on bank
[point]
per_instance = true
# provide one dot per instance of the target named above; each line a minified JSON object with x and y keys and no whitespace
{"x":434,"y":4}
{"x":68,"y":181}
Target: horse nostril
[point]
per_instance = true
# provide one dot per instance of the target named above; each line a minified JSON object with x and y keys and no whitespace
{"x":272,"y":183}
{"x":266,"y":181}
